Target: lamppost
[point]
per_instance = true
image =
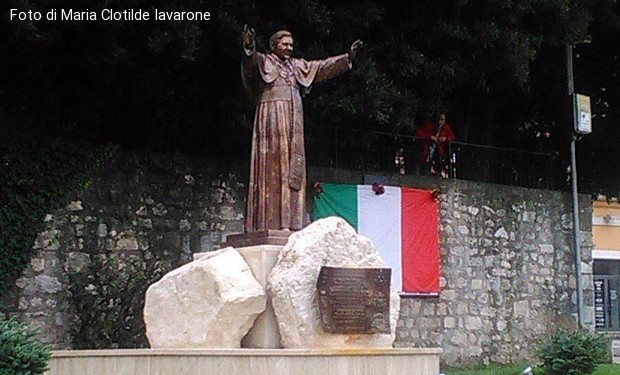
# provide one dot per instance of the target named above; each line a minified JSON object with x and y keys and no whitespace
{"x":573,"y":171}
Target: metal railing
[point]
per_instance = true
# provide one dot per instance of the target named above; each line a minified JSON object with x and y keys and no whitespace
{"x":502,"y":165}
{"x":386,"y":152}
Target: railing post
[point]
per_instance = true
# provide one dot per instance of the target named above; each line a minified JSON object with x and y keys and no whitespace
{"x":453,"y":161}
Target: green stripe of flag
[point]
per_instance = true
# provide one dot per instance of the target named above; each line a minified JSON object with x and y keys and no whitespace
{"x":337,"y":200}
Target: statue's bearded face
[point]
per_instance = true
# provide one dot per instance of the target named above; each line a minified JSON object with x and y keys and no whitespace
{"x":284,"y":48}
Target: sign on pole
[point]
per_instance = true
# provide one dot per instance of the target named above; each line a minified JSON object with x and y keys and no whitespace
{"x":583,"y":115}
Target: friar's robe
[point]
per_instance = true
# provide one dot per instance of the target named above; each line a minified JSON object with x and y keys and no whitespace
{"x":277,"y":186}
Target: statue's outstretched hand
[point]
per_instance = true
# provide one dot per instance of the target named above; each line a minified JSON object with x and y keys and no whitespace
{"x":354,"y":48}
{"x":247,"y":36}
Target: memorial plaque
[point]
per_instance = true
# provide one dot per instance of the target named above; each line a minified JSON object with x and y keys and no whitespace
{"x":354,"y":300}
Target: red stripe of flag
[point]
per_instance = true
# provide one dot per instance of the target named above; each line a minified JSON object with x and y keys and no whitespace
{"x":420,"y":241}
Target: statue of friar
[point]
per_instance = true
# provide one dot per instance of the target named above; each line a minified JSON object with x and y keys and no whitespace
{"x":277,"y":187}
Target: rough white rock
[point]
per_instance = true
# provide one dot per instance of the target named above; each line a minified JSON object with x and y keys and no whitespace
{"x":209,"y":303}
{"x":292,"y":284}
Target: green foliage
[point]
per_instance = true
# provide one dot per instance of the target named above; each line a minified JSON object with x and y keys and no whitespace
{"x":174,"y":86}
{"x":108,"y":300}
{"x":572,"y":352}
{"x":36,"y":177}
{"x":20,"y":352}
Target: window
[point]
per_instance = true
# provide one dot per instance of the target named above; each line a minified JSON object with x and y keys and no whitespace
{"x":606,"y":295}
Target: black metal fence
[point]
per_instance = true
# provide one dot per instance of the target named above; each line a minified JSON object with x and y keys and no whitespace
{"x":385,"y":152}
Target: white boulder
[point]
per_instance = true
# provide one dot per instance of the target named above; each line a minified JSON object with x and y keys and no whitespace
{"x":209,"y":303}
{"x":292,"y":284}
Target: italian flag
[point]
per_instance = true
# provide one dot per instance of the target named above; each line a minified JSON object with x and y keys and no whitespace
{"x":402,"y":224}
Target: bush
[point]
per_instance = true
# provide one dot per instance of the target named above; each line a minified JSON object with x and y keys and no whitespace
{"x":37,"y":176}
{"x":572,"y":352}
{"x":20,"y":352}
{"x":108,"y":298}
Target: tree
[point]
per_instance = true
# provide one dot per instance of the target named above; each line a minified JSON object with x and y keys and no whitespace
{"x":496,"y":66}
{"x":596,"y":74}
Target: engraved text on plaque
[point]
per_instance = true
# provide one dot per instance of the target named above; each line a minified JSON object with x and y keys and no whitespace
{"x":354,"y":300}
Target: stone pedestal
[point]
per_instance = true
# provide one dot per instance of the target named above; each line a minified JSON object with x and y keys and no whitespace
{"x":265,"y":333}
{"x":293,"y":286}
{"x":418,"y":361}
{"x":209,"y":303}
{"x":260,"y":250}
{"x":261,"y":237}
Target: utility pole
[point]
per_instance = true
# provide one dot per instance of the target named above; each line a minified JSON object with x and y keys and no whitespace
{"x":573,"y":177}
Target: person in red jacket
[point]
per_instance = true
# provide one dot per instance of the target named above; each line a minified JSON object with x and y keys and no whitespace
{"x":435,"y":138}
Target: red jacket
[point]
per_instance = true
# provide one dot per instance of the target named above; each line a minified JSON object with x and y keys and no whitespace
{"x":427,"y":130}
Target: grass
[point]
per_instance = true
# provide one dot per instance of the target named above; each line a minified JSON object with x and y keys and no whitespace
{"x":605,"y":369}
{"x":489,"y":370}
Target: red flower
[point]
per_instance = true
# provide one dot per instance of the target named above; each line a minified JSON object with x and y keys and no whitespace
{"x":378,"y":188}
{"x":317,"y":190}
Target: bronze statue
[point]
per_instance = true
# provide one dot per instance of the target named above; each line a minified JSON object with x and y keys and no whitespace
{"x":277,"y":188}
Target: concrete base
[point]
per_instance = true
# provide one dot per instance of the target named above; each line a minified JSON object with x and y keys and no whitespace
{"x":265,"y":333}
{"x":418,"y":361}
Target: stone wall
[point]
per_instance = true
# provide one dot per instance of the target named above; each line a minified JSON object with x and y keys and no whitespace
{"x":507,"y":272}
{"x":140,"y":205}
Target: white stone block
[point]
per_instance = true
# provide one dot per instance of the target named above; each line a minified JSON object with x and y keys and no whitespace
{"x":209,"y":303}
{"x":292,"y":284}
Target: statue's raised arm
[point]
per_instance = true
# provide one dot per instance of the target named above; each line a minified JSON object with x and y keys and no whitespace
{"x":247,"y":37}
{"x":354,"y":48}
